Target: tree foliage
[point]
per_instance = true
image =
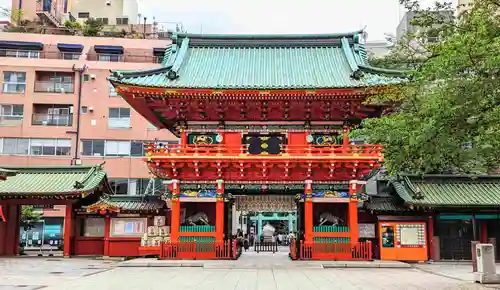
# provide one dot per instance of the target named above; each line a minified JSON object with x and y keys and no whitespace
{"x":446,"y":118}
{"x":29,"y":216}
{"x":92,"y":27}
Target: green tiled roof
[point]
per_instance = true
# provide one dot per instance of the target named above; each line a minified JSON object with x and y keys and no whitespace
{"x":131,"y":203}
{"x":449,"y":190}
{"x":52,"y":181}
{"x":262,"y":62}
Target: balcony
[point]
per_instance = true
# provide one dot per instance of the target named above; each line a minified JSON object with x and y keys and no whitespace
{"x":123,"y":58}
{"x":11,"y":120}
{"x":53,"y":87}
{"x":35,"y":54}
{"x":235,"y":163}
{"x":46,"y":119}
{"x":221,"y":151}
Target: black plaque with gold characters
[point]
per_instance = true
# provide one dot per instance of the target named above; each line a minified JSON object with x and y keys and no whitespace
{"x":323,"y":139}
{"x":264,"y":143}
{"x":203,"y":138}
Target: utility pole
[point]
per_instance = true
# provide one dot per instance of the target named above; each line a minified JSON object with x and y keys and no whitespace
{"x":76,"y":160}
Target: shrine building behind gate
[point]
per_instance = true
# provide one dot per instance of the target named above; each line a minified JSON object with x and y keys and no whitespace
{"x":261,"y":115}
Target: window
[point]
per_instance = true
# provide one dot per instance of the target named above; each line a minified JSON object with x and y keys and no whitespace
{"x":137,"y":186}
{"x":112,"y":91}
{"x":9,"y":113}
{"x":20,"y":53}
{"x":85,"y":109}
{"x":122,"y":21}
{"x":103,"y":20}
{"x":50,"y":147}
{"x":117,"y":148}
{"x":69,"y":55}
{"x":93,"y":227}
{"x":15,"y":146}
{"x":14,"y":82}
{"x":93,"y":147}
{"x":83,"y":15}
{"x":124,"y":227}
{"x":137,"y":148}
{"x":119,"y":118}
{"x":120,"y":186}
{"x":109,"y":57}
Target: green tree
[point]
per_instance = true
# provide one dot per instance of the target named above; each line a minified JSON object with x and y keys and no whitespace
{"x":29,"y":216}
{"x":446,"y":118}
{"x":92,"y":27}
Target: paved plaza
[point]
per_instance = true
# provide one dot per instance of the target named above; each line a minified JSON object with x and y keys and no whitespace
{"x":263,"y":271}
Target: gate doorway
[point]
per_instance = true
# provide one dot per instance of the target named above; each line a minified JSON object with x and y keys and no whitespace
{"x":266,"y":222}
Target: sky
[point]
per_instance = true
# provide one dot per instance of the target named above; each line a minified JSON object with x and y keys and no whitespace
{"x":277,"y":16}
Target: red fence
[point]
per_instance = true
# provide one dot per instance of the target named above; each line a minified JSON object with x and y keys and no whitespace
{"x":335,"y":251}
{"x":225,"y":250}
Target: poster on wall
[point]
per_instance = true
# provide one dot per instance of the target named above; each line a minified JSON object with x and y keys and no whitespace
{"x":366,"y":231}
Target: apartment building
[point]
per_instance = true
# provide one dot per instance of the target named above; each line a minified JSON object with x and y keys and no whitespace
{"x":57,"y":107}
{"x":117,"y":16}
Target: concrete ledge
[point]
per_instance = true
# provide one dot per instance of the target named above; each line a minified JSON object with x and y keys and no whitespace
{"x":138,"y":263}
{"x":366,"y":264}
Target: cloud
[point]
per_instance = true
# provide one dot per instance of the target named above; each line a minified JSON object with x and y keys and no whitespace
{"x":277,"y":16}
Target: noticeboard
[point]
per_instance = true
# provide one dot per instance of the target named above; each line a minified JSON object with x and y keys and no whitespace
{"x":366,"y":231}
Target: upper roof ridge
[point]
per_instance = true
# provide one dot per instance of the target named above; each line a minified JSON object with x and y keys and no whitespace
{"x":262,"y":40}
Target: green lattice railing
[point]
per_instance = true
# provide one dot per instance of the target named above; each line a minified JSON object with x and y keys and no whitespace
{"x":198,"y":229}
{"x":197,"y":239}
{"x":332,"y":240}
{"x":331,"y":229}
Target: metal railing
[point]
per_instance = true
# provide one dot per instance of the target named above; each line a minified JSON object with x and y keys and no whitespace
{"x":11,"y":120}
{"x":35,"y":54}
{"x":13,"y":88}
{"x":161,"y":150}
{"x":265,"y":247}
{"x":53,"y":87}
{"x":52,"y":119}
{"x":123,"y":58}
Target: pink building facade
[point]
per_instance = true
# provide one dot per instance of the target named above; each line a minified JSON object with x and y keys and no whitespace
{"x":39,"y":105}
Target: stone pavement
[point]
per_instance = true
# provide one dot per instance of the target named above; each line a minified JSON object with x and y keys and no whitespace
{"x":460,"y":271}
{"x":253,"y":260}
{"x":85,"y":274}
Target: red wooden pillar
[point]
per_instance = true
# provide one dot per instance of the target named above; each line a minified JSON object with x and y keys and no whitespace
{"x":484,"y":231}
{"x":345,"y":139}
{"x":68,"y":230}
{"x":219,"y":211}
{"x":3,"y":228}
{"x":430,"y":235}
{"x":175,"y":213}
{"x":183,"y":138}
{"x":107,"y":232}
{"x":353,"y":212}
{"x":12,"y":228}
{"x":308,"y":212}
